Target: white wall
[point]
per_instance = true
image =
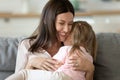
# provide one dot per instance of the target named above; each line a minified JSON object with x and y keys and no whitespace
{"x":99,"y":5}
{"x":14,"y":27}
{"x":104,"y":23}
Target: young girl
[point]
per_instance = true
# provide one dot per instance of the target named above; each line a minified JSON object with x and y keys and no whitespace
{"x":82,"y":40}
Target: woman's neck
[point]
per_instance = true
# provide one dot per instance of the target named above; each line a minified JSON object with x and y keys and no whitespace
{"x":54,"y":48}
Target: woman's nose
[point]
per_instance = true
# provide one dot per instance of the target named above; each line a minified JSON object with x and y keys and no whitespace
{"x":66,"y":28}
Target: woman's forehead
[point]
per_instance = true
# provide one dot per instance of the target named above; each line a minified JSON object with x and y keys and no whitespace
{"x":65,"y":17}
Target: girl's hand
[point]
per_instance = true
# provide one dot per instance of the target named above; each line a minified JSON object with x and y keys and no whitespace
{"x":80,"y":62}
{"x":41,"y":63}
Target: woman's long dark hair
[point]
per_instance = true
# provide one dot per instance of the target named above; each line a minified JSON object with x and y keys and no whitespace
{"x":45,"y":34}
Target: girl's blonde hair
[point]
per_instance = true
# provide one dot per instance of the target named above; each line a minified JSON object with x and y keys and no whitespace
{"x":83,"y":35}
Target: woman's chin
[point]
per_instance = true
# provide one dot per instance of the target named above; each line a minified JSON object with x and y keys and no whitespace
{"x":62,"y":39}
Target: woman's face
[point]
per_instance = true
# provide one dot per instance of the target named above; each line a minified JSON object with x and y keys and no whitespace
{"x":63,"y":25}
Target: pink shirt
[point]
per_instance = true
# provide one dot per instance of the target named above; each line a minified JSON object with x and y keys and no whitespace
{"x":62,"y":56}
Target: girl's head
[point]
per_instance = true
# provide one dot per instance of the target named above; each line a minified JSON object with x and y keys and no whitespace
{"x":83,"y":35}
{"x":53,"y":21}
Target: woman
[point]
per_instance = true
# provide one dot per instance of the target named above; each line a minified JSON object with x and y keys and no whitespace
{"x":55,"y":26}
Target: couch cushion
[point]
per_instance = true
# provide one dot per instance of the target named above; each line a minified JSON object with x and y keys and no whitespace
{"x":108,"y":57}
{"x":8,"y":50}
{"x":4,"y":75}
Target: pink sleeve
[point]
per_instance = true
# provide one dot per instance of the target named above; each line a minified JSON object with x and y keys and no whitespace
{"x":22,"y":56}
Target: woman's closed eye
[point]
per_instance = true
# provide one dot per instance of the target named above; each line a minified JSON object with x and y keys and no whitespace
{"x":61,"y":23}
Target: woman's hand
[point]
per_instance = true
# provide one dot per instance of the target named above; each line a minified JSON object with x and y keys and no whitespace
{"x":81,"y":63}
{"x":41,"y":63}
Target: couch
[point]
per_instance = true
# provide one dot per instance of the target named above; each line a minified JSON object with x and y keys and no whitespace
{"x":8,"y":50}
{"x":106,"y":65}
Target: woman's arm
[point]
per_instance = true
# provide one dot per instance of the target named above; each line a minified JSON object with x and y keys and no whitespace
{"x":41,"y":63}
{"x":22,"y":57}
{"x":89,"y":76}
{"x":23,"y":61}
{"x":83,"y":64}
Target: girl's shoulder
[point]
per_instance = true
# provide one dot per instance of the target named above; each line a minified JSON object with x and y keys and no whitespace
{"x":65,"y":47}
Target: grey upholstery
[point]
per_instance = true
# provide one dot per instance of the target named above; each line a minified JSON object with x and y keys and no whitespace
{"x":8,"y":50}
{"x":108,"y":57}
{"x":4,"y":74}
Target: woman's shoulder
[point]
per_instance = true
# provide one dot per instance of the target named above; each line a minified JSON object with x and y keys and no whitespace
{"x":25,"y":43}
